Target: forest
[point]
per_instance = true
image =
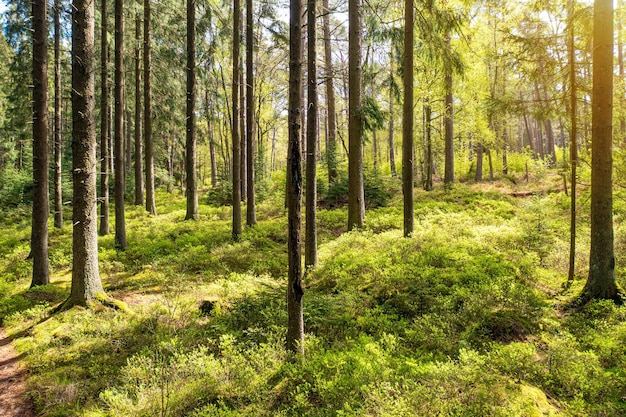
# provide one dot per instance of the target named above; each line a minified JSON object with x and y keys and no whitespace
{"x":331,"y":208}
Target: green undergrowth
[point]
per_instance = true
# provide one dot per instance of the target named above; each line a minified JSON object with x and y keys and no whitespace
{"x":466,"y":317}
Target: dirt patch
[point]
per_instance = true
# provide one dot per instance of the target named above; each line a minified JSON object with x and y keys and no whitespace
{"x":13,"y":401}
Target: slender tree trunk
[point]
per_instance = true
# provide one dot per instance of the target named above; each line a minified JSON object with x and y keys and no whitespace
{"x":211,"y":132}
{"x":311,"y":139}
{"x":41,"y":209}
{"x":250,"y":142}
{"x":356,"y":203}
{"x":620,"y":62}
{"x":449,"y":126}
{"x":331,"y":149}
{"x":128,"y":143}
{"x":236,"y":171}
{"x":295,"y":327}
{"x":120,"y":183}
{"x":490,"y":160}
{"x":428,"y":182}
{"x":86,"y":284}
{"x":479,"y":162}
{"x":242,"y":132}
{"x":105,"y":122}
{"x":407,"y":119}
{"x":190,"y":148}
{"x":147,"y":109}
{"x":601,"y":281}
{"x":392,"y":153}
{"x":573,"y":151}
{"x":58,"y":194}
{"x":139,"y":200}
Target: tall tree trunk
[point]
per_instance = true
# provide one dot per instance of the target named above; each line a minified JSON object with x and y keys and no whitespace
{"x":573,"y":149}
{"x":139,"y":201}
{"x":356,"y":205}
{"x":479,"y":162}
{"x":407,"y":119}
{"x":448,"y":178}
{"x":250,"y":142}
{"x":392,"y":153}
{"x":190,"y":148}
{"x":331,"y":149}
{"x":39,"y":231}
{"x":120,"y":183}
{"x":620,"y":62}
{"x":235,"y":123}
{"x":86,"y":284}
{"x":310,"y":255}
{"x":147,"y":109}
{"x":211,"y":133}
{"x":601,"y":281}
{"x":242,"y":132}
{"x":105,"y":122}
{"x":58,"y":149}
{"x":428,"y":181}
{"x":295,"y":327}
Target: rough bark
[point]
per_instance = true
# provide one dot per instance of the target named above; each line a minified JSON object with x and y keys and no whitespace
{"x":39,"y":231}
{"x":573,"y":151}
{"x":147,"y":109}
{"x":310,"y":245}
{"x":105,"y":121}
{"x":236,"y":171}
{"x":139,"y":200}
{"x":191,"y":152}
{"x":250,"y":142}
{"x":428,"y":168}
{"x":120,"y":182}
{"x":331,"y":149}
{"x":601,"y":280}
{"x":58,"y":148}
{"x":295,"y":325}
{"x":392,"y":152}
{"x":356,"y":205}
{"x":448,"y":178}
{"x":407,"y":120}
{"x":86,"y":284}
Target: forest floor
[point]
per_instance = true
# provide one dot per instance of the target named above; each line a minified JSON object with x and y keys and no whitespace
{"x":13,"y":401}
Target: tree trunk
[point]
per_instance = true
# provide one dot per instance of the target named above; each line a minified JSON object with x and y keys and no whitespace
{"x":601,"y":281}
{"x":120,"y":183}
{"x":58,"y":194}
{"x":242,"y":133}
{"x":407,"y":119}
{"x":392,"y":153}
{"x":105,"y":122}
{"x":211,"y":133}
{"x":147,"y":110}
{"x":310,"y":252}
{"x":139,"y":201}
{"x":295,"y":327}
{"x":448,"y":179}
{"x":573,"y":151}
{"x":86,"y":284}
{"x":356,"y":205}
{"x":250,"y":142}
{"x":236,"y":171}
{"x":39,"y":231}
{"x":190,"y":147}
{"x":428,"y":181}
{"x":479,"y":162}
{"x":331,"y":149}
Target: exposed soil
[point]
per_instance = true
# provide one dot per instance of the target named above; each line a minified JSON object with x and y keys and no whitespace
{"x":13,"y":401}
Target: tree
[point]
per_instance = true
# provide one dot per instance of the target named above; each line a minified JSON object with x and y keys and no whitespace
{"x":407,"y":119}
{"x":39,"y":231}
{"x":120,"y":182}
{"x":310,"y":255}
{"x":573,"y":151}
{"x":147,"y":103}
{"x":295,"y":326}
{"x":58,"y":194}
{"x":356,"y":201}
{"x":250,"y":142}
{"x":235,"y":123}
{"x":86,"y":284}
{"x":104,"y":121}
{"x":331,"y":150}
{"x":601,"y":280}
{"x":448,"y":123}
{"x":190,"y":158}
{"x":139,"y":201}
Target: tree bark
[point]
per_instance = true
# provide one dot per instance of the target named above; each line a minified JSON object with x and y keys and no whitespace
{"x":310,"y":252}
{"x":58,"y":149}
{"x":39,"y":231}
{"x":428,"y":181}
{"x":147,"y":109}
{"x":392,"y":153}
{"x":236,"y":171}
{"x":120,"y":183}
{"x":191,"y":151}
{"x":356,"y":203}
{"x":407,"y":119}
{"x":250,"y":142}
{"x":448,"y":178}
{"x":295,"y":327}
{"x":139,"y":200}
{"x":601,"y":280}
{"x":86,"y":284}
{"x":105,"y":121}
{"x":573,"y":151}
{"x":331,"y":149}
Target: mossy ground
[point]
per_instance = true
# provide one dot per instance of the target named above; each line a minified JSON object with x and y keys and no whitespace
{"x":465,"y":318}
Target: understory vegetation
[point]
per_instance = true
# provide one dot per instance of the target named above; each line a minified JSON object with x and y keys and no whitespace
{"x":468,"y":317}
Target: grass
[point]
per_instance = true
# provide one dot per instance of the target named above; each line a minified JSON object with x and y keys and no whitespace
{"x":465,"y":318}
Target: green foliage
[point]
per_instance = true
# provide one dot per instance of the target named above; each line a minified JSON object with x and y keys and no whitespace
{"x":378,"y":190}
{"x":15,"y":188}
